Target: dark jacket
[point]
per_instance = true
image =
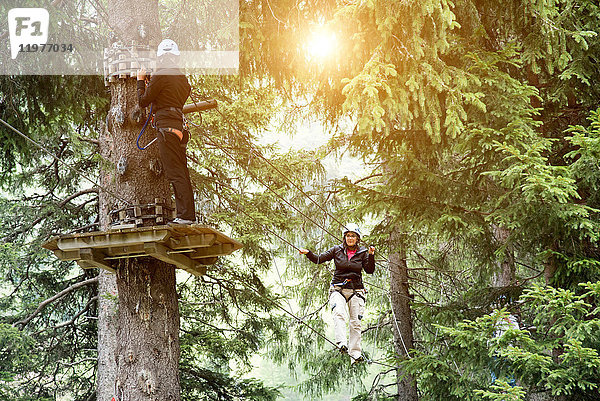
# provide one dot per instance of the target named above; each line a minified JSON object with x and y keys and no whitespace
{"x":344,"y":268}
{"x":167,"y":89}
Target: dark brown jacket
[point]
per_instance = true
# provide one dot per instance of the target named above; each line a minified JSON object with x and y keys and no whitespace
{"x":168,"y":90}
{"x":344,"y":268}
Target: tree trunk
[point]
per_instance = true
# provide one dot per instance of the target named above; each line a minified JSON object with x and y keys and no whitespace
{"x":505,"y":276}
{"x":107,"y":300}
{"x":139,"y":350}
{"x":402,"y":315}
{"x":107,"y":335}
{"x":550,"y":266}
{"x":148,"y":332}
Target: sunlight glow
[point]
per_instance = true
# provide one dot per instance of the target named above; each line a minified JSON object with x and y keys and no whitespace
{"x":321,"y":44}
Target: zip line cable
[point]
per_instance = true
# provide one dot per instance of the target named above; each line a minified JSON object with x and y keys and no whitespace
{"x":310,"y":295}
{"x":308,"y":218}
{"x":396,"y":325}
{"x":281,"y":284}
{"x":268,"y":187}
{"x":285,"y":176}
{"x":59,"y":160}
{"x":299,"y":320}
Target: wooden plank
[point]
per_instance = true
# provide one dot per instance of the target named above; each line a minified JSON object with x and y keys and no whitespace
{"x":122,"y":226}
{"x":191,"y":241}
{"x":87,"y":265}
{"x":215,"y":250}
{"x":161,"y":252}
{"x":207,"y":261}
{"x":96,"y":258}
{"x":131,"y":255}
{"x":192,"y":229}
{"x":111,"y":239}
{"x":124,"y":250}
{"x":189,"y":247}
{"x":67,"y":255}
{"x":51,"y":244}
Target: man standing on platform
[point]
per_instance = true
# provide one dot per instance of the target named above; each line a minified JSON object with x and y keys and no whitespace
{"x":168,"y":91}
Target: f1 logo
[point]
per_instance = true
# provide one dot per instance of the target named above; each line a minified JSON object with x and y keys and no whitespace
{"x":27,"y":26}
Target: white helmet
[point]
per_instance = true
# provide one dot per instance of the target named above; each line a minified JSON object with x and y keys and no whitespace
{"x":167,"y":46}
{"x":351,"y":228}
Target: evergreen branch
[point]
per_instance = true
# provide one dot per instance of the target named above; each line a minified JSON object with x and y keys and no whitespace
{"x":90,"y":140}
{"x":71,"y":364}
{"x":416,"y":200}
{"x":72,"y":321}
{"x":22,"y":323}
{"x":82,"y":228}
{"x":436,"y":268}
{"x":59,"y":205}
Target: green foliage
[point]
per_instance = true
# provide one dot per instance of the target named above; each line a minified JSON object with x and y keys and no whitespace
{"x":556,"y":351}
{"x":462,"y":110}
{"x":14,"y":352}
{"x":502,"y":391}
{"x":204,"y":384}
{"x":44,"y":109}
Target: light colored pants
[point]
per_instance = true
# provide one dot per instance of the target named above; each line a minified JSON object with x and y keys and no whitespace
{"x":355,"y":308}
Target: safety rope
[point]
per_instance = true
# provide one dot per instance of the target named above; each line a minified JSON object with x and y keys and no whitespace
{"x":137,"y":142}
{"x":222,"y":148}
{"x":59,"y":160}
{"x":301,"y":213}
{"x":285,"y":176}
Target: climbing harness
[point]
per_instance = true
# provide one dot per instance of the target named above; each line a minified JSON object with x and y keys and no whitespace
{"x":195,"y":107}
{"x":179,"y":134}
{"x":341,"y":286}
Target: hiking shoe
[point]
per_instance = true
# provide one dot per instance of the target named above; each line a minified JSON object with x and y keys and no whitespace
{"x":358,"y":360}
{"x":182,"y":221}
{"x":343,"y":349}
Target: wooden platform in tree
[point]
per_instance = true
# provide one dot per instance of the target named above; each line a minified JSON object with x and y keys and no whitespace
{"x":188,"y":247}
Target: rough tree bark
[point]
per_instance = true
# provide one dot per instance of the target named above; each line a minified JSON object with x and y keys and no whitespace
{"x":139,"y":329}
{"x":402,"y":315}
{"x":505,"y":275}
{"x":107,"y":335}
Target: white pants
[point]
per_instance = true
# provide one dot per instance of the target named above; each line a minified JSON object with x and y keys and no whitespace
{"x":355,"y":308}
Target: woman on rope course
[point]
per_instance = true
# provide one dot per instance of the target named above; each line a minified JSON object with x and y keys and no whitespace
{"x":168,"y":90}
{"x":347,"y":291}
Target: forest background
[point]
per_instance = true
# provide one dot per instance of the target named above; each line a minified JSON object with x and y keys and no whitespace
{"x":477,"y":122}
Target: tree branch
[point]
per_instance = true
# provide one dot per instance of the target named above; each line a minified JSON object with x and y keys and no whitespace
{"x":89,"y":140}
{"x":72,"y":321}
{"x":22,"y":323}
{"x":60,"y":204}
{"x":420,"y":200}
